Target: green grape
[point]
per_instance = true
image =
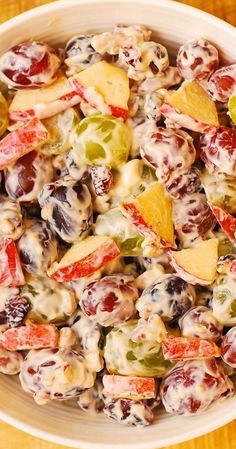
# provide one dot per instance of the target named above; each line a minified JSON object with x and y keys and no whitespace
{"x":225,"y":245}
{"x":101,"y":139}
{"x":224,"y":300}
{"x":232,"y":107}
{"x":114,"y":224}
{"x":124,"y":356}
{"x":60,"y":127}
{"x":220,"y":191}
{"x":3,"y":114}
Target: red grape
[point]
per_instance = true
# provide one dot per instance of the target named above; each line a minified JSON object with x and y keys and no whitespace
{"x":197,"y":59}
{"x":218,"y":150}
{"x":228,"y":347}
{"x":222,"y":83}
{"x":200,"y":322}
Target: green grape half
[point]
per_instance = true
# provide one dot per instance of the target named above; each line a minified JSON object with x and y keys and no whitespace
{"x":225,"y":245}
{"x":101,"y":139}
{"x":60,"y":127}
{"x":220,"y":191}
{"x":124,"y":356}
{"x":3,"y":114}
{"x":232,"y":107}
{"x":114,"y":224}
{"x":224,"y":300}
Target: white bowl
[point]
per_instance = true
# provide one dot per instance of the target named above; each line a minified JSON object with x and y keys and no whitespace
{"x":173,"y":24}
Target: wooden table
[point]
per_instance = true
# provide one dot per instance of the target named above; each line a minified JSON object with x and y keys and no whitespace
{"x":224,"y":438}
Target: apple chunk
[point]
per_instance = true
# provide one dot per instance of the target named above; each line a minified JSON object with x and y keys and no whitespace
{"x":151,"y":213}
{"x":31,"y":336}
{"x":188,"y":348}
{"x":196,"y":265}
{"x":84,"y":258}
{"x":191,"y":107}
{"x":110,"y":82}
{"x":226,"y":221}
{"x":21,"y":141}
{"x":129,"y":387}
{"x":11,"y":274}
{"x":43,"y":102}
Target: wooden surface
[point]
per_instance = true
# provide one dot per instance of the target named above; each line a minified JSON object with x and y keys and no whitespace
{"x":224,"y":438}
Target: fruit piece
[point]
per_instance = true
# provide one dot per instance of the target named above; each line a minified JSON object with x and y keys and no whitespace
{"x":193,"y":386}
{"x":182,"y":348}
{"x":102,"y":179}
{"x":109,"y":300}
{"x":227,"y":264}
{"x":101,"y":140}
{"x":3,"y":114}
{"x":197,"y":59}
{"x":67,"y":207}
{"x":218,"y":150}
{"x":37,"y":247}
{"x":168,"y":296}
{"x":22,"y":141}
{"x":196,"y":265}
{"x":29,"y":64}
{"x":25,"y":178}
{"x":222,"y":83}
{"x":223,"y":301}
{"x":129,"y":387}
{"x":104,"y":81}
{"x":80,"y":54}
{"x":129,"y":412}
{"x":84,"y":258}
{"x":232,"y":107}
{"x":193,"y":219}
{"x":31,"y":336}
{"x":11,"y":274}
{"x":151,"y":213}
{"x":228,"y":347}
{"x":168,"y":151}
{"x":11,"y":224}
{"x":220,"y":190}
{"x":151,"y":329}
{"x":10,"y":362}
{"x":44,"y":102}
{"x":180,"y":120}
{"x":200,"y":322}
{"x":191,"y":99}
{"x":16,"y":308}
{"x":60,"y":128}
{"x":130,"y":358}
{"x":226,"y":221}
{"x":184,"y":184}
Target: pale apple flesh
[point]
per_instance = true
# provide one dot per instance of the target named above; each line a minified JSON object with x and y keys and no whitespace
{"x":196,"y":265}
{"x":151,"y":213}
{"x":21,"y":141}
{"x":183,"y":120}
{"x":129,"y":387}
{"x":84,"y":258}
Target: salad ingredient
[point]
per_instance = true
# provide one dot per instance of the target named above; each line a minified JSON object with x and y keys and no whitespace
{"x":31,"y":336}
{"x":11,"y":274}
{"x":200,"y":322}
{"x":197,"y":59}
{"x":129,"y":387}
{"x":188,"y":348}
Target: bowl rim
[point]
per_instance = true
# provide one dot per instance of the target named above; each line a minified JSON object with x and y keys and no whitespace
{"x":54,"y":7}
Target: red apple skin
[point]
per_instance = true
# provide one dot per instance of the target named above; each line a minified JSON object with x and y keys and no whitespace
{"x":31,"y":336}
{"x":188,"y":348}
{"x":89,"y":264}
{"x":116,"y":386}
{"x":11,"y":274}
{"x":184,"y":120}
{"x":114,"y":110}
{"x":226,"y":221}
{"x":61,"y":104}
{"x":22,"y":141}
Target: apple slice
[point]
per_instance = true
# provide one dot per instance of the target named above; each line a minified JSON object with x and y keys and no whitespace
{"x":226,"y":221}
{"x":104,"y":81}
{"x":44,"y":102}
{"x":84,"y":258}
{"x":21,"y":141}
{"x":190,"y":106}
{"x":129,"y":387}
{"x":11,"y":274}
{"x":151,"y":213}
{"x":188,"y":348}
{"x":31,"y":336}
{"x":196,"y":265}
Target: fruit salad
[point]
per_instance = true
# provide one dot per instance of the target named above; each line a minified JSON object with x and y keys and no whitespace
{"x":118,"y":224}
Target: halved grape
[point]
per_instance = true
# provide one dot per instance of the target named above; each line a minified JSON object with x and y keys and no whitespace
{"x":232,"y":107}
{"x":3,"y":114}
{"x":115,"y":225}
{"x":60,"y":127}
{"x":101,"y":139}
{"x":220,"y":190}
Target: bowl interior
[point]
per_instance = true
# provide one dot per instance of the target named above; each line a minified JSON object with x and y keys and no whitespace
{"x":172,"y":24}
